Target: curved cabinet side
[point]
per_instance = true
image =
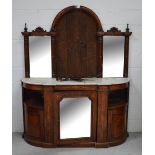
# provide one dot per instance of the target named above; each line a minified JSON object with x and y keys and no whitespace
{"x":112,"y":115}
{"x":34,"y":128}
{"x":117,"y":114}
{"x":117,"y":124}
{"x":37,"y":112}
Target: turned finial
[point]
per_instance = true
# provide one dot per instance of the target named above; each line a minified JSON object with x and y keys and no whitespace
{"x":25,"y":28}
{"x":127,"y":29}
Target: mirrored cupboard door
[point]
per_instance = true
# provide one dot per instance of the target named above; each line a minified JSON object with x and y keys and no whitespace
{"x":75,"y":117}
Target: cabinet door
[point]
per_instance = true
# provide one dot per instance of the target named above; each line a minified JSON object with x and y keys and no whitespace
{"x":75,"y":122}
{"x":34,"y":123}
{"x":117,"y":122}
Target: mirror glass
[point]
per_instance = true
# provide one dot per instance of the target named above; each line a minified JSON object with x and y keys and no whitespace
{"x":113,"y":56}
{"x":40,"y":56}
{"x":75,"y":117}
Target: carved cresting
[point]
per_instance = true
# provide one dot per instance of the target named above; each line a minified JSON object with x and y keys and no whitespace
{"x":114,"y":29}
{"x":39,"y":29}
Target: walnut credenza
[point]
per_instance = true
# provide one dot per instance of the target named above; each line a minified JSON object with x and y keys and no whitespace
{"x":109,"y":111}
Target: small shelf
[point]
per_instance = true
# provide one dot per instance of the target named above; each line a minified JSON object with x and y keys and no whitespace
{"x":33,"y":98}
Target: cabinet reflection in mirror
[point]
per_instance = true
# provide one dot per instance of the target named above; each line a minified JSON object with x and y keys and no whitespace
{"x":113,"y":56}
{"x":75,"y":117}
{"x":40,"y":56}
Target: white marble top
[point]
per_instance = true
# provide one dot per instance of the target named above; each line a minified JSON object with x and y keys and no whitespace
{"x":85,"y":81}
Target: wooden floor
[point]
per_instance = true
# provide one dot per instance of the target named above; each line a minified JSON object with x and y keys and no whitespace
{"x":132,"y":146}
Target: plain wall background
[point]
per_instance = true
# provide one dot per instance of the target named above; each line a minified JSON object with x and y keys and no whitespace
{"x":111,"y":13}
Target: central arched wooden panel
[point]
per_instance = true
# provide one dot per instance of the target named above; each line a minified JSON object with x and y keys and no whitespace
{"x":76,"y":48}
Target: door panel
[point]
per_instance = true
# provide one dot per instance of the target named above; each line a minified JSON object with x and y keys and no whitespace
{"x":117,"y":122}
{"x":34,"y":123}
{"x":76,"y":96}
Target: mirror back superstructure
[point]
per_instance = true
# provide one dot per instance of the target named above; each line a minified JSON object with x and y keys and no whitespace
{"x":77,"y":45}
